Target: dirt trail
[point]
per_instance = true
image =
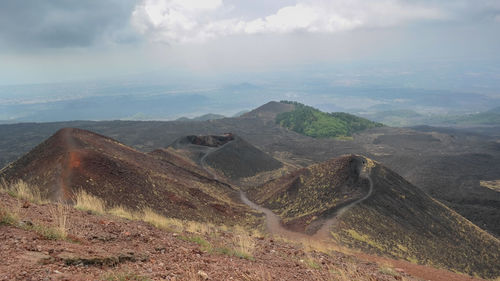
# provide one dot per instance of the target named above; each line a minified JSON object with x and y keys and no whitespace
{"x":324,"y":232}
{"x":273,"y":221}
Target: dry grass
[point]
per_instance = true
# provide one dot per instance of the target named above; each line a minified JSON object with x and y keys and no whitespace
{"x":388,"y":271}
{"x":122,"y":212}
{"x":7,"y":217}
{"x":50,"y":233}
{"x":161,"y":222}
{"x":311,"y":262}
{"x":22,"y":190}
{"x":150,"y":216}
{"x":310,"y":245}
{"x":87,"y":202}
{"x":59,"y":213}
{"x":58,"y":232}
{"x":494,"y":185}
{"x":244,"y":246}
{"x":124,"y":276}
{"x":200,"y":228}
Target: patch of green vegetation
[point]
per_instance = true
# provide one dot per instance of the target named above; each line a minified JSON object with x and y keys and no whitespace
{"x":204,"y":244}
{"x":364,"y":238}
{"x":124,"y":276}
{"x":312,"y":122}
{"x":7,"y":218}
{"x":233,"y":253}
{"x":388,"y":271}
{"x":312,"y":264}
{"x":50,"y":233}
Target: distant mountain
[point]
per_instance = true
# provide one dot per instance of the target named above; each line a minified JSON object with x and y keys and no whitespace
{"x":405,"y":117}
{"x":399,"y":118}
{"x":312,"y":122}
{"x":205,"y":117}
{"x":489,"y":118}
{"x":269,"y":111}
{"x":74,"y":159}
{"x":152,"y":107}
{"x":238,"y":114}
{"x":365,"y":205}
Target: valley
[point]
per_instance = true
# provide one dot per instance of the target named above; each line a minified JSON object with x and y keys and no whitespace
{"x":368,"y":195}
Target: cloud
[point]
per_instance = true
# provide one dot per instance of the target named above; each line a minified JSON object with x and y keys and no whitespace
{"x":63,"y":23}
{"x":185,"y":21}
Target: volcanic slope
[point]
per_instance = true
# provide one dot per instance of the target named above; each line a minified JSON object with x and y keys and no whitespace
{"x":448,"y":164}
{"x":228,"y":155}
{"x":74,"y":159}
{"x":364,"y":205}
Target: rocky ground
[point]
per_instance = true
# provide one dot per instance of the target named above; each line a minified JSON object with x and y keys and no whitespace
{"x":103,"y":247}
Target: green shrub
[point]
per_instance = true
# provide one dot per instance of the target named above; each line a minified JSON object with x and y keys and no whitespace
{"x":312,"y":122}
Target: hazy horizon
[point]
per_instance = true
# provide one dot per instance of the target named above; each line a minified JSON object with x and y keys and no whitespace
{"x":226,"y":56}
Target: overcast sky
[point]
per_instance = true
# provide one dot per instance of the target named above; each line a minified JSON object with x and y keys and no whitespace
{"x":61,"y":40}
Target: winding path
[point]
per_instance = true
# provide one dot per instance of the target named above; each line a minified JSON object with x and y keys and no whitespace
{"x":324,"y":231}
{"x":273,"y":221}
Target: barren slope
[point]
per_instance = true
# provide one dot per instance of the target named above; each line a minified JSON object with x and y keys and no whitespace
{"x":395,"y":218}
{"x":449,"y":164}
{"x":75,"y":159}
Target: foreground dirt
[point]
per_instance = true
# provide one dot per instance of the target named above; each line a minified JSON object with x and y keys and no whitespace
{"x":110,"y":248}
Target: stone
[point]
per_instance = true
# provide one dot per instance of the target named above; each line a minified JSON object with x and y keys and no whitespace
{"x":37,"y":257}
{"x":203,"y":275}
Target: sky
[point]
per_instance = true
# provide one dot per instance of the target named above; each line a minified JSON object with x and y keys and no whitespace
{"x":71,"y":40}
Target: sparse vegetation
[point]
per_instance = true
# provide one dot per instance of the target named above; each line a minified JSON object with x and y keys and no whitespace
{"x":122,"y":212}
{"x":124,"y":276}
{"x":309,"y":260}
{"x":161,"y":222}
{"x":59,"y":213}
{"x":388,"y":271}
{"x":494,"y":185}
{"x":22,"y":190}
{"x":8,"y":218}
{"x":245,"y":246}
{"x":204,"y":244}
{"x":50,"y":233}
{"x":312,"y":122}
{"x":87,"y":202}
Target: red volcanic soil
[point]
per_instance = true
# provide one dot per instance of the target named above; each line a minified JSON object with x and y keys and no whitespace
{"x":74,"y":159}
{"x":106,"y":247}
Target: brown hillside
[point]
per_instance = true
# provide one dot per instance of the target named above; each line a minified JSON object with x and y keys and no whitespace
{"x":74,"y":159}
{"x":374,"y":209}
{"x":304,"y":199}
{"x":269,"y":111}
{"x":104,"y":247}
